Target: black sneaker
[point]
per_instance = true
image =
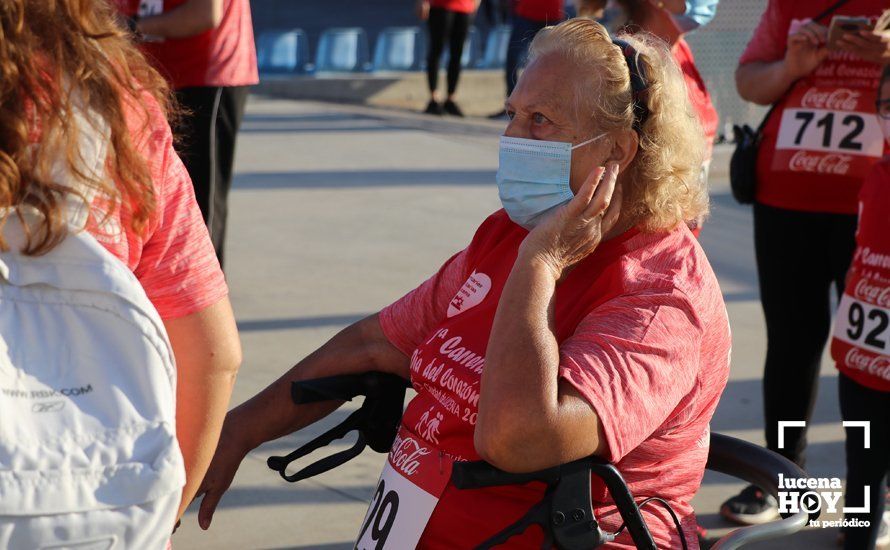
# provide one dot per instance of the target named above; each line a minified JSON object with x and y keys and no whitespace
{"x":750,"y":507}
{"x":433,"y":108}
{"x":451,"y":108}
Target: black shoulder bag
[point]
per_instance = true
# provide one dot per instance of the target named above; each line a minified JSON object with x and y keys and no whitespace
{"x":743,"y":163}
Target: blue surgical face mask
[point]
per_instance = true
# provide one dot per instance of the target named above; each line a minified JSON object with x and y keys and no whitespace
{"x":698,"y":13}
{"x":533,"y":177}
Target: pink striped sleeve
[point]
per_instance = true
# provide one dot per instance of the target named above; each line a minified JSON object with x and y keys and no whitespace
{"x":410,"y":319}
{"x":178,"y":267}
{"x":634,"y":358}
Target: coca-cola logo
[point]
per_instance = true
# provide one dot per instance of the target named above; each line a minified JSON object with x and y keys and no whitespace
{"x":875,"y":365}
{"x":834,"y":164}
{"x":842,"y":99}
{"x":874,"y":294}
{"x":406,"y":455}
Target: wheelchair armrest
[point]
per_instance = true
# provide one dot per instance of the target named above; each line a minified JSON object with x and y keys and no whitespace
{"x":752,"y":463}
{"x":761,"y":467}
{"x":566,"y":513}
{"x":480,"y":474}
{"x":766,"y":531}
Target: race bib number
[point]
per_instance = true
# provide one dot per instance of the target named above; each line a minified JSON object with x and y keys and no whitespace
{"x":413,"y":479}
{"x":829,"y":131}
{"x":864,"y":325}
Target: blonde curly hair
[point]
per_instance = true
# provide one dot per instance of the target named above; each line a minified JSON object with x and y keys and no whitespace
{"x":662,"y":186}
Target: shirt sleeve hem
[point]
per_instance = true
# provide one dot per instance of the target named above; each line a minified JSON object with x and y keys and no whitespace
{"x":193,"y":306}
{"x":391,"y":332}
{"x":569,"y":371}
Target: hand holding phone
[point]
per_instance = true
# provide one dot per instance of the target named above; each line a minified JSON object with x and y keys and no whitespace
{"x":842,"y":25}
{"x":805,"y":49}
{"x":871,"y":43}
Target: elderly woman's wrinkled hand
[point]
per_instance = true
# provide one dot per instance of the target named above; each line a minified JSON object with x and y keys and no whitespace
{"x":572,"y":232}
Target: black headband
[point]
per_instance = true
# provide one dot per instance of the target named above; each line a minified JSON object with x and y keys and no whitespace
{"x":638,"y":82}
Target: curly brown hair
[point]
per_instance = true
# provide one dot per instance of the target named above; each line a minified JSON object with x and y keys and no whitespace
{"x":59,"y":60}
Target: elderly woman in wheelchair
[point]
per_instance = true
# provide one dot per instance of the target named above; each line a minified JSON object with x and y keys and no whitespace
{"x":582,"y":331}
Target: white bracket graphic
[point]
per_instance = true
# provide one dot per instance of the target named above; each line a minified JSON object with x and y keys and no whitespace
{"x":864,"y":424}
{"x":861,"y":509}
{"x":788,"y":424}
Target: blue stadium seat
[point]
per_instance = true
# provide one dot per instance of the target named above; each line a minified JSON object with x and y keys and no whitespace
{"x":495,"y":56}
{"x":282,"y":52}
{"x":471,"y":50}
{"x":399,"y":49}
{"x":342,"y":50}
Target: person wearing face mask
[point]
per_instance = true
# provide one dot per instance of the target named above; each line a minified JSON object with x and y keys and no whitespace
{"x":817,"y":144}
{"x":861,"y":350}
{"x":582,"y":319}
{"x":671,"y":20}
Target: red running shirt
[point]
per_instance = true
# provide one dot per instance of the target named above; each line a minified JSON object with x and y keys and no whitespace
{"x":174,"y":261}
{"x":224,"y":56}
{"x":698,"y":92}
{"x":643,"y":335}
{"x":459,"y":6}
{"x":824,"y":136}
{"x":861,"y":343}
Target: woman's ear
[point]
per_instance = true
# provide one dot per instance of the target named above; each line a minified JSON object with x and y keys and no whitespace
{"x":625,"y":148}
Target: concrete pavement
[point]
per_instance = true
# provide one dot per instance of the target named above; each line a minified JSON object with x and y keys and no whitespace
{"x":337,"y":211}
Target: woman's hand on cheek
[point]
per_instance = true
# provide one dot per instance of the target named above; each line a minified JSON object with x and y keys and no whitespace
{"x":573,"y":231}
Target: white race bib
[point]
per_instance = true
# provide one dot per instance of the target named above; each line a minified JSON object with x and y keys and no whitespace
{"x":864,"y":325}
{"x":413,"y":479}
{"x":822,"y":130}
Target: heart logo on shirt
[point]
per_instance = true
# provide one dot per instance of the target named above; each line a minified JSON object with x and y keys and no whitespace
{"x":471,"y":294}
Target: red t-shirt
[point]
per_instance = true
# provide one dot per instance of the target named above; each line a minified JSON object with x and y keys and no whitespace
{"x":643,"y":335}
{"x":698,"y":92}
{"x":224,"y":56}
{"x":547,"y":11}
{"x":824,"y":136}
{"x":459,"y":6}
{"x":174,"y":261}
{"x":861,"y":343}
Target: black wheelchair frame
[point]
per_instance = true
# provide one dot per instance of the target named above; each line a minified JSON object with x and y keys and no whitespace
{"x":566,"y":511}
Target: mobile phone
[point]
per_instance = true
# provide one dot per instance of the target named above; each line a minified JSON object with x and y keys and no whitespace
{"x":841,"y":24}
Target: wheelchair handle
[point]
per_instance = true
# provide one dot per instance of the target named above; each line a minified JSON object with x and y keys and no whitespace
{"x":376,"y":421}
{"x":566,"y":512}
{"x":761,"y":467}
{"x":480,"y":474}
{"x":345,"y":387}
